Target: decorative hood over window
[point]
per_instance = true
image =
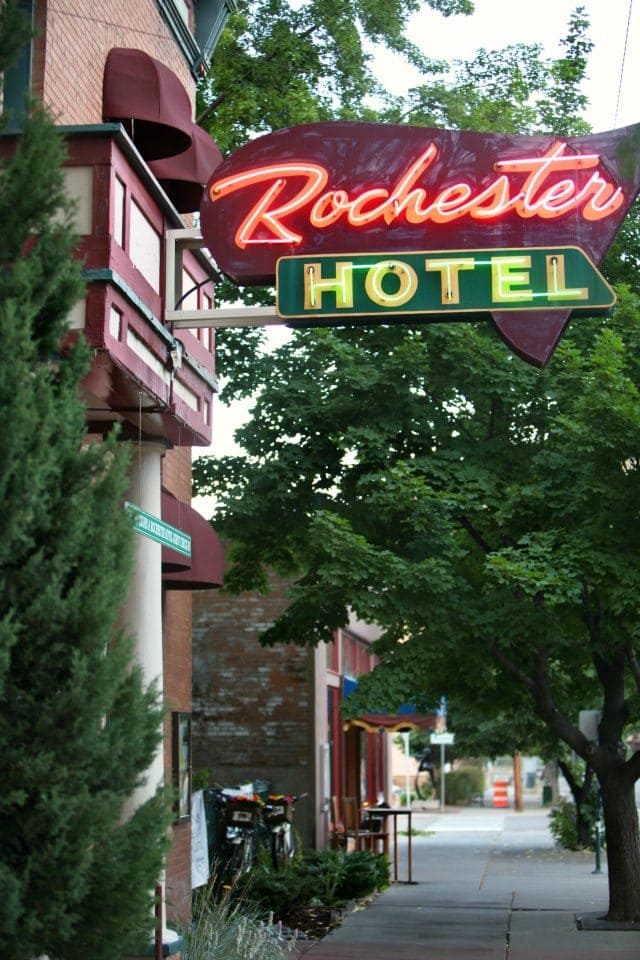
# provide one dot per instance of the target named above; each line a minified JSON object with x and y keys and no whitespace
{"x":184,"y":176}
{"x":150,"y":102}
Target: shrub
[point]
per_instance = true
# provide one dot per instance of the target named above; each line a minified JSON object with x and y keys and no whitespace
{"x":364,"y":873}
{"x":230,"y":928}
{"x":564,"y":826}
{"x":328,"y":876}
{"x":325,"y":872}
{"x":463,"y":784}
{"x":406,"y":799}
{"x":273,"y":891}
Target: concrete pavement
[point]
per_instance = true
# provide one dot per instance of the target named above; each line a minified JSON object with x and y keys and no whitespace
{"x":489,"y":886}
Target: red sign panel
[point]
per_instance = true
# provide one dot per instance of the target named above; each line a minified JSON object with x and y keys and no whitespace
{"x":349,"y":188}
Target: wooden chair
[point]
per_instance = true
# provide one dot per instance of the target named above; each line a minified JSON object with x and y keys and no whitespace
{"x":363,"y":837}
{"x":338,"y":838}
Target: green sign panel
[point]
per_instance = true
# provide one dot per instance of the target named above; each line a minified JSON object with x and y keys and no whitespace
{"x":446,"y":739}
{"x":156,"y":529}
{"x":440,"y":283}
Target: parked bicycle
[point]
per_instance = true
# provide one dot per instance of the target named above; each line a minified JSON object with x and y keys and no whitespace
{"x":277,"y":815}
{"x":235,"y":819}
{"x":239,"y":821}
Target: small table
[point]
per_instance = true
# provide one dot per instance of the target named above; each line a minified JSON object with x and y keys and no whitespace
{"x":396,"y":812}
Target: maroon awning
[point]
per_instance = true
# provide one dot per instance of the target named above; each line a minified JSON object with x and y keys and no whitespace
{"x":203,"y":569}
{"x":393,"y":722}
{"x":183,"y":177}
{"x":149,"y":100}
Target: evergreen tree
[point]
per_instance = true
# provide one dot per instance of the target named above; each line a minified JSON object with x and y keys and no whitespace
{"x":77,"y":726}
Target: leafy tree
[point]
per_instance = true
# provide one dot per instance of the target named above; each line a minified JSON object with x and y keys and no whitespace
{"x":513,"y":90}
{"x":77,"y":727}
{"x":280,"y":63}
{"x":479,"y":508}
{"x":483,"y":512}
{"x":500,"y":723}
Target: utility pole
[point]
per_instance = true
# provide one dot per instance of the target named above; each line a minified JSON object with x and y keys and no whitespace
{"x":406,"y":736}
{"x":518,"y":802}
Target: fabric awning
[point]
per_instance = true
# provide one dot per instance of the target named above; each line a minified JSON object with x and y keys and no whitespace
{"x":184,"y":176}
{"x":149,"y":100}
{"x":175,"y":513}
{"x":406,"y":717}
{"x":393,"y":722}
{"x":203,"y":570}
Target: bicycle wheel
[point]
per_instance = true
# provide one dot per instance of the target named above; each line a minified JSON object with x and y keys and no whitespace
{"x":247,"y":853}
{"x":241,"y":858}
{"x":234,"y":863}
{"x":282,"y":846}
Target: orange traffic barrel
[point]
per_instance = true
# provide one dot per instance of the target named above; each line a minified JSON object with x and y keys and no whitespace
{"x":500,"y":798}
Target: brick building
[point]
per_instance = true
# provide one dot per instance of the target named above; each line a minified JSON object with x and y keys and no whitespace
{"x":274,"y":713}
{"x":120,"y":80}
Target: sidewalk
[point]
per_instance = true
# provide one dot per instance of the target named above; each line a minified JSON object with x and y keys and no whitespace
{"x":490,"y":886}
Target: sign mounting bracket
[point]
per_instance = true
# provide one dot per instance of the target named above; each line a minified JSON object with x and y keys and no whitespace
{"x":190,"y":238}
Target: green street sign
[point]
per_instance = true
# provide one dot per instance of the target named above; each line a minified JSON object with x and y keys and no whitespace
{"x":462,"y":284}
{"x":444,"y":739}
{"x":156,"y":529}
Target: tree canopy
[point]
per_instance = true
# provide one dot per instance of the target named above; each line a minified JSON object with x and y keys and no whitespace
{"x":280,"y":63}
{"x":483,"y":512}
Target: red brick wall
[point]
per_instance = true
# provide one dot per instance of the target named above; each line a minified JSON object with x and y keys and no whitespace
{"x":79,"y":34}
{"x":252,"y":707}
{"x":176,"y":473}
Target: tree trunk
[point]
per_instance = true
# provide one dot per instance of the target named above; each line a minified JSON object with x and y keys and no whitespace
{"x":623,"y":846}
{"x":584,"y":832}
{"x":550,"y":777}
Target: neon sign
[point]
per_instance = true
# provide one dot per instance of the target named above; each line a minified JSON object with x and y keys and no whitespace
{"x":352,"y":188}
{"x":535,"y":197}
{"x":441,"y":283}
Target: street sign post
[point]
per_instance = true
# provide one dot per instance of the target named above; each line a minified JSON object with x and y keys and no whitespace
{"x":445,"y":740}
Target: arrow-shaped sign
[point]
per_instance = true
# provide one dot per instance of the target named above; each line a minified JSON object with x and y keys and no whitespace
{"x":442,"y":284}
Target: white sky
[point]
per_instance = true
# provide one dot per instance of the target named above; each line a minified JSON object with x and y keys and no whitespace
{"x":496,"y":24}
